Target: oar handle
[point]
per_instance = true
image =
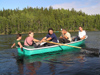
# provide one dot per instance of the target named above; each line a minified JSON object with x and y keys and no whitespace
{"x":62,"y":44}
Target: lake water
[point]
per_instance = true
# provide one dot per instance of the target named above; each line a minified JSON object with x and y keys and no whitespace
{"x":75,"y":62}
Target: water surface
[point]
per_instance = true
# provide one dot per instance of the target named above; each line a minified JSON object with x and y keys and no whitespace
{"x":74,"y":62}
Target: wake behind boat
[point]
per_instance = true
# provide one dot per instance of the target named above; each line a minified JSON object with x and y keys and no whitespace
{"x":32,"y":51}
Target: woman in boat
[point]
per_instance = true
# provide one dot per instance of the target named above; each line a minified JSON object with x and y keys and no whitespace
{"x":30,"y":41}
{"x":17,"y":41}
{"x":49,"y":37}
{"x":65,"y":37}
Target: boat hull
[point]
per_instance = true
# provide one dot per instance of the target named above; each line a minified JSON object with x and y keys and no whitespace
{"x":32,"y":51}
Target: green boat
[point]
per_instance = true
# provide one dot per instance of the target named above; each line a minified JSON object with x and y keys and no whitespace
{"x":33,"y":51}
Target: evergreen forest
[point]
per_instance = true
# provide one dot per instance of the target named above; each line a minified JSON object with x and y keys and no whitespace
{"x":40,"y":19}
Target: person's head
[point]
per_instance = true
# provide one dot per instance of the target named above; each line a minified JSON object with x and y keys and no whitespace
{"x":50,"y":31}
{"x":80,"y":28}
{"x":64,"y":31}
{"x":31,"y":34}
{"x":19,"y":36}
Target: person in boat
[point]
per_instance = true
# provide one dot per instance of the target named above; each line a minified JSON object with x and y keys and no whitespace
{"x":30,"y":41}
{"x":81,"y":34}
{"x":17,"y":41}
{"x":49,"y":37}
{"x":65,"y":37}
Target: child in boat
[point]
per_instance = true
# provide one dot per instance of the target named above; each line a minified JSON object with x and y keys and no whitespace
{"x":30,"y":41}
{"x":17,"y":41}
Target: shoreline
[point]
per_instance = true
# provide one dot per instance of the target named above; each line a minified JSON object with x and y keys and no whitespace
{"x":44,"y":32}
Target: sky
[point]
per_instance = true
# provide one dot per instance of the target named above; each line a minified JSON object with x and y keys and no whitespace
{"x":90,"y":7}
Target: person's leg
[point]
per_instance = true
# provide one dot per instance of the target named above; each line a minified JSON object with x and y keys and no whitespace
{"x":44,"y":45}
{"x":78,"y":38}
{"x":49,"y":44}
{"x":73,"y":38}
{"x":36,"y":46}
{"x":66,"y":41}
{"x":61,"y":40}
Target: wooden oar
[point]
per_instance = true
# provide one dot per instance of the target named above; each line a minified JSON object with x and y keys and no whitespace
{"x":62,"y":44}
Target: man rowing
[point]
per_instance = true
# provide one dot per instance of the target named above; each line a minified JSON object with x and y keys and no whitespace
{"x":49,"y":37}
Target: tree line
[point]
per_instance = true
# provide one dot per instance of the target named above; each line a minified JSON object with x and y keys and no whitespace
{"x":40,"y":19}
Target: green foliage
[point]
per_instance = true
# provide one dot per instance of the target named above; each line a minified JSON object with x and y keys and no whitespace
{"x":40,"y":19}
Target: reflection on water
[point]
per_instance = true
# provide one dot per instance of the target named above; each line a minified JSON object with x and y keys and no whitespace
{"x":49,"y":62}
{"x":52,"y":63}
{"x":74,"y":62}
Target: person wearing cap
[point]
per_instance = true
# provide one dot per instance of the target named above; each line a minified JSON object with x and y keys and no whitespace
{"x":65,"y":37}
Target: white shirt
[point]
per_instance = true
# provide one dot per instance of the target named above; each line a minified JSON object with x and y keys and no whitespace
{"x":81,"y":34}
{"x":68,"y":35}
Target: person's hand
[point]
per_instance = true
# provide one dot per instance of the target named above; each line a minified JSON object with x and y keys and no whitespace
{"x":11,"y":46}
{"x":21,"y":46}
{"x":44,"y":40}
{"x":61,"y":37}
{"x":40,"y":41}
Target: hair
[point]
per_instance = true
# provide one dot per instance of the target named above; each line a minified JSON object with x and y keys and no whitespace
{"x":50,"y":29}
{"x":30,"y":33}
{"x":18,"y":35}
{"x":63,"y":30}
{"x":81,"y":26}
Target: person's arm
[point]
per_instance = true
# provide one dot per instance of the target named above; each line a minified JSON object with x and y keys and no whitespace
{"x":84,"y":33}
{"x":51,"y":37}
{"x":60,"y":37}
{"x":43,"y":39}
{"x":13,"y":45}
{"x":35,"y":40}
{"x":48,"y":39}
{"x":65,"y":36}
{"x":83,"y":37}
{"x":20,"y":45}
